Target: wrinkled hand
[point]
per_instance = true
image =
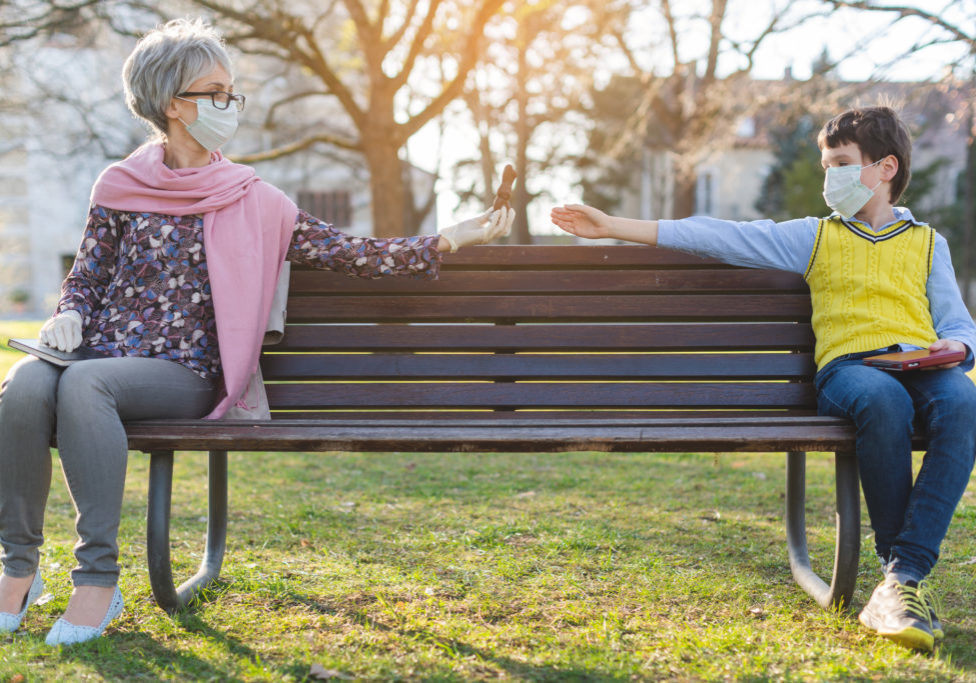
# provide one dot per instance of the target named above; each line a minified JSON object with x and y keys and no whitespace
{"x":582,"y":221}
{"x":482,"y":229}
{"x":63,"y":331}
{"x":951,"y":345}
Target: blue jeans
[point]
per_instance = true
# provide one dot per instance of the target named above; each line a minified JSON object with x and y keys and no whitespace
{"x":909,"y":521}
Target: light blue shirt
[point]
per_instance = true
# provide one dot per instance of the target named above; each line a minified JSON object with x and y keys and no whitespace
{"x":788,"y":246}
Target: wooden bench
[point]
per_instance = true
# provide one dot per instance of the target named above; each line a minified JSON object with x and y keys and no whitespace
{"x":534,"y":349}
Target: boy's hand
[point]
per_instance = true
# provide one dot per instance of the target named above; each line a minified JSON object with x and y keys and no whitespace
{"x":951,"y":345}
{"x":582,"y":221}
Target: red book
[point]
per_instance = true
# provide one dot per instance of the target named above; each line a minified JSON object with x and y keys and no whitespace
{"x":914,"y":360}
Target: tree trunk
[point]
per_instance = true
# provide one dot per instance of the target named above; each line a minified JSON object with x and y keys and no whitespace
{"x":520,"y":195}
{"x":487,"y":161}
{"x":388,"y":191}
{"x":684,"y":192}
{"x":391,"y":207}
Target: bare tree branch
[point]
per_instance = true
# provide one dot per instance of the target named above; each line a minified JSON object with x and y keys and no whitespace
{"x":453,"y":88}
{"x":628,"y":53}
{"x":715,"y":24}
{"x":53,"y":16}
{"x":321,"y":67}
{"x":370,"y":34}
{"x":290,"y":99}
{"x":672,"y":31}
{"x":416,"y":46}
{"x":905,"y":11}
{"x":397,"y":35}
{"x":286,"y":150}
{"x":775,"y":25}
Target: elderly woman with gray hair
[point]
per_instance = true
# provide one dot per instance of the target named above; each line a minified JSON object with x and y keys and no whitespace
{"x":173,"y":283}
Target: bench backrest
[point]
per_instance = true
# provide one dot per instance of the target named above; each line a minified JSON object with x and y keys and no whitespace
{"x":555,"y":328}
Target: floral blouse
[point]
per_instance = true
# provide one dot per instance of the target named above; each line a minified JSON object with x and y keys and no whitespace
{"x":140,"y":280}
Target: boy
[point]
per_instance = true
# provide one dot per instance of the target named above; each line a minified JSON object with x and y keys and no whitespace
{"x":879,"y":281}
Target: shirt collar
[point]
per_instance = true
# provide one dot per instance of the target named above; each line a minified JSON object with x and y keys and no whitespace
{"x":902,"y":213}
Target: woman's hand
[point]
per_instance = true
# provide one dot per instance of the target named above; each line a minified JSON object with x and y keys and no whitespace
{"x":582,"y":221}
{"x":482,"y":229}
{"x":946,"y":345}
{"x":62,"y":332}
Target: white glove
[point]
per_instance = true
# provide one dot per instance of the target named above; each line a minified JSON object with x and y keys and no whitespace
{"x":479,"y":230}
{"x":62,"y":331}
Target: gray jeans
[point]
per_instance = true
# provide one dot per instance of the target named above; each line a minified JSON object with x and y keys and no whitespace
{"x":86,"y":404}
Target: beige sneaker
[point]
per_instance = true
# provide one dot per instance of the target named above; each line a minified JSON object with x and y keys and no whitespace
{"x":897,"y":612}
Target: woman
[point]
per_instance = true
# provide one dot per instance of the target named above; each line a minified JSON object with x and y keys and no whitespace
{"x":174,"y":280}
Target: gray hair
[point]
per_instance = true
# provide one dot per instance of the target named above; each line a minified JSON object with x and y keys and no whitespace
{"x":166,"y":61}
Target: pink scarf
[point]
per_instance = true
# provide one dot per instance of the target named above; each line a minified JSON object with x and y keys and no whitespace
{"x":247,"y":227}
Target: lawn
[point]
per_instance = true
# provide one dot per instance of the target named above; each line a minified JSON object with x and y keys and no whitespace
{"x":570,"y":567}
{"x":15,"y":329}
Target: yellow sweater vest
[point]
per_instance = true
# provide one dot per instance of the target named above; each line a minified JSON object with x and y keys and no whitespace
{"x":869,"y":289}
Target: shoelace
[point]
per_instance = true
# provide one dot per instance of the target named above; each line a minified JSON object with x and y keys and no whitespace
{"x":929,"y":598}
{"x":914,"y":602}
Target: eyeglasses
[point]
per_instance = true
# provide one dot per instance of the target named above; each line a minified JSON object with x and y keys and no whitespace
{"x":221,"y":100}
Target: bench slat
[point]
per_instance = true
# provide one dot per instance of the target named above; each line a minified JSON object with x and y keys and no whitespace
{"x":536,"y":414}
{"x":643,"y":436}
{"x":536,"y":366}
{"x":549,"y":337}
{"x":487,"y":257}
{"x":636,"y":307}
{"x":539,"y":394}
{"x":555,"y":282}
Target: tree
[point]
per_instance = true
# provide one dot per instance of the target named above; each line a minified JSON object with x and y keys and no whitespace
{"x":685,"y":106}
{"x":369,"y":59}
{"x":24,"y":20}
{"x":524,"y":98}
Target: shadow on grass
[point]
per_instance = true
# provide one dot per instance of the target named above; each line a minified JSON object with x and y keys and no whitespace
{"x":457,"y":649}
{"x":959,"y":646}
{"x":138,"y":655}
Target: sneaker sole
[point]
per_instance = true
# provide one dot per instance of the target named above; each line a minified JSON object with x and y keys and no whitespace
{"x":912,"y":638}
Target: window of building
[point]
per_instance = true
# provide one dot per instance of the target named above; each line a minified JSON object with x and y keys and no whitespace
{"x":746,"y":127}
{"x":333,"y":207}
{"x":705,"y":192}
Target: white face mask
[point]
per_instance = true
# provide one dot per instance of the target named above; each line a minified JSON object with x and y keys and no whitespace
{"x":213,"y":127}
{"x":843,"y":190}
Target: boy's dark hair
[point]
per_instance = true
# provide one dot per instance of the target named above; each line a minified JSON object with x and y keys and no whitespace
{"x":878,"y":132}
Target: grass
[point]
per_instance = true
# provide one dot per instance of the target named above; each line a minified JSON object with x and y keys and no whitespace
{"x":445,"y":567}
{"x":17,"y":329}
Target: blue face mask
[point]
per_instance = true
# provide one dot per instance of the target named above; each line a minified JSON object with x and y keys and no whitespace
{"x":213,"y":127}
{"x":843,"y":190}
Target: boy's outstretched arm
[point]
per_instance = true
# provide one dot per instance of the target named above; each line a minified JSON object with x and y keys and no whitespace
{"x":585,"y":221}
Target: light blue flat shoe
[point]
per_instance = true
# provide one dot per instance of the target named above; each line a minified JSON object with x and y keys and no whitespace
{"x":11,"y":622}
{"x":66,"y":633}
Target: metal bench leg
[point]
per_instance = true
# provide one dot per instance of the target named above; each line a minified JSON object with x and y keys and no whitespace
{"x":167,"y":596}
{"x":848,"y":543}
